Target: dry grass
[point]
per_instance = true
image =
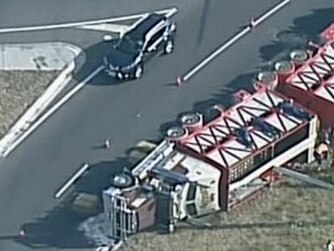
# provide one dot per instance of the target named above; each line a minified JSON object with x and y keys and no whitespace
{"x":262,"y":224}
{"x":18,"y":90}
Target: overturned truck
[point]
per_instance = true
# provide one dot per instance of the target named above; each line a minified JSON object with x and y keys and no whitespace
{"x":307,"y":76}
{"x":202,"y":167}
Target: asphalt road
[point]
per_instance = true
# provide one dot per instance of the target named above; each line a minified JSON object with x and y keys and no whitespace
{"x":30,"y":176}
{"x":18,"y":13}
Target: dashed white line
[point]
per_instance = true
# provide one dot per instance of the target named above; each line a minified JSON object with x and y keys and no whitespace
{"x":271,"y":12}
{"x":73,"y":179}
{"x":198,"y":67}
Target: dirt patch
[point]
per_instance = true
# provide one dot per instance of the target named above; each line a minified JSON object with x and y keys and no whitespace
{"x":18,"y":90}
{"x":287,"y":217}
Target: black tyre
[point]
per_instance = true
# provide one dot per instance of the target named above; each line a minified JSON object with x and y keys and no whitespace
{"x":122,"y":181}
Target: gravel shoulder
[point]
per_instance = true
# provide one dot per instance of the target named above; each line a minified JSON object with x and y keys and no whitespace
{"x":18,"y":91}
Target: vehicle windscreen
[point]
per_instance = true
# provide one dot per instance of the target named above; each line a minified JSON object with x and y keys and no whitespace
{"x":129,"y":45}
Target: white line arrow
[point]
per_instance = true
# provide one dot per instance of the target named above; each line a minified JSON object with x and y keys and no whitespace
{"x":52,"y":110}
{"x":118,"y":28}
{"x":168,"y":12}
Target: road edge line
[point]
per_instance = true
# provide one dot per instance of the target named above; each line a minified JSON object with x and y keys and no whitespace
{"x":52,"y":110}
{"x":31,"y":114}
{"x":233,"y":39}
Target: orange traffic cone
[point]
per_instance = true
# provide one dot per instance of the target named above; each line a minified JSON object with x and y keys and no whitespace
{"x":179,"y":81}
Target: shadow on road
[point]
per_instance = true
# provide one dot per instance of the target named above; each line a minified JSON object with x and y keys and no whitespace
{"x":222,"y":98}
{"x":99,"y":176}
{"x":203,"y":20}
{"x":9,"y":237}
{"x":86,"y":63}
{"x":304,"y":29}
{"x":90,"y":59}
{"x":59,"y":227}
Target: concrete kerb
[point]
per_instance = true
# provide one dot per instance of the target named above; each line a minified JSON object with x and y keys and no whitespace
{"x":47,"y":56}
{"x":37,"y":108}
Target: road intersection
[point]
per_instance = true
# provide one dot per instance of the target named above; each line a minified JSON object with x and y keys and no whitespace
{"x":30,"y":176}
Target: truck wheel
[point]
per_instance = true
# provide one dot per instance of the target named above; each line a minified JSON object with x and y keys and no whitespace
{"x":122,"y":181}
{"x":138,"y":71}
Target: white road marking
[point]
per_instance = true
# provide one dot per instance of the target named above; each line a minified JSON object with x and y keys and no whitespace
{"x":69,"y":183}
{"x":120,"y":28}
{"x":167,"y":12}
{"x":235,"y":38}
{"x":53,"y":109}
{"x":198,"y":67}
{"x":117,"y":28}
{"x":271,"y":12}
{"x":170,"y":12}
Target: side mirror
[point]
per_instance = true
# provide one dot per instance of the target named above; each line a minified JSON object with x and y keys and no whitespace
{"x":173,"y":27}
{"x":107,"y":38}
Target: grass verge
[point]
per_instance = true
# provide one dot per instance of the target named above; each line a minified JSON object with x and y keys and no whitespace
{"x":18,"y":90}
{"x":290,"y":216}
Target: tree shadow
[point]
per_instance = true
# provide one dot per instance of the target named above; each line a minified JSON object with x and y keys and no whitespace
{"x":203,"y":20}
{"x":306,"y":28}
{"x":311,"y":25}
{"x":60,"y":226}
{"x":224,"y":96}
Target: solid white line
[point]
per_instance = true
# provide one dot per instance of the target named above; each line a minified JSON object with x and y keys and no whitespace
{"x":53,"y":109}
{"x":216,"y":53}
{"x":76,"y":176}
{"x":238,"y":36}
{"x":75,"y":24}
{"x":271,"y":12}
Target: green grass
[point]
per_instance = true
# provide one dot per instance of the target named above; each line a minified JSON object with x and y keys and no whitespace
{"x":290,"y":216}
